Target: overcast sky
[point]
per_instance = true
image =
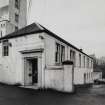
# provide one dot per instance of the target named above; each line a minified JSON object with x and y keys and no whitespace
{"x":81,"y":22}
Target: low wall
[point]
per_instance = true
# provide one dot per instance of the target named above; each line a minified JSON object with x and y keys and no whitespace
{"x":59,"y":78}
{"x":54,"y":78}
{"x":79,"y":78}
{"x":97,"y":75}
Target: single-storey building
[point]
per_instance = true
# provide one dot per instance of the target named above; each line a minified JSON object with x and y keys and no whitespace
{"x":34,"y":56}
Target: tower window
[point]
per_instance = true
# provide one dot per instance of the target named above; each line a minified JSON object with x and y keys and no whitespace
{"x":16,"y":17}
{"x":16,"y":28}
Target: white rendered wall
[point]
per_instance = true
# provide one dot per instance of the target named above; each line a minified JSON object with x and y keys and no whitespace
{"x":79,"y":72}
{"x":12,"y":66}
{"x":54,"y":79}
{"x":60,"y":78}
{"x":50,"y":48}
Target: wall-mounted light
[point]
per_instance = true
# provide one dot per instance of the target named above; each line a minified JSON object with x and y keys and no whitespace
{"x":10,"y":44}
{"x":41,"y":37}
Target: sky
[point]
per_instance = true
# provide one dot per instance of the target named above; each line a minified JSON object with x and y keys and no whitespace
{"x":80,"y":22}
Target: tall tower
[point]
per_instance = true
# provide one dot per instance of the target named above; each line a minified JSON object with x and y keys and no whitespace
{"x":13,"y":16}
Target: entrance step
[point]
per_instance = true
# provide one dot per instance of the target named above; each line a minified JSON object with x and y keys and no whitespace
{"x":30,"y":87}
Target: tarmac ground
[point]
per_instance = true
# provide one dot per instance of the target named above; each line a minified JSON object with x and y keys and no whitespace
{"x":12,"y":95}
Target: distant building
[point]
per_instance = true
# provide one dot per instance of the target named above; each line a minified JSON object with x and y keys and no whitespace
{"x":12,"y":16}
{"x":101,"y":61}
{"x":34,"y":56}
{"x":97,"y":69}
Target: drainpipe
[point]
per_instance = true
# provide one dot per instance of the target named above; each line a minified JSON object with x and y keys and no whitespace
{"x":45,"y":60}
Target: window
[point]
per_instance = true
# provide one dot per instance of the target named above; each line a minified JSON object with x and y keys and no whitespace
{"x":17,"y":4}
{"x":1,"y":25}
{"x":91,"y":64}
{"x":16,"y":18}
{"x":5,"y":48}
{"x":79,"y":60}
{"x":74,"y":61}
{"x":84,"y":61}
{"x":1,"y":33}
{"x":4,"y":25}
{"x":87,"y":62}
{"x":72,"y":56}
{"x":16,"y":28}
{"x":86,"y":76}
{"x":57,"y":59}
{"x":62,"y":53}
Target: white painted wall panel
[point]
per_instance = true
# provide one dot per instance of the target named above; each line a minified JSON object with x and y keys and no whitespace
{"x":54,"y":79}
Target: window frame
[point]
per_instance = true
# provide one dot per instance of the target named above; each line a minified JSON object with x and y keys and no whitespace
{"x":16,"y":18}
{"x":91,"y":63}
{"x":80,"y":60}
{"x":16,"y":28}
{"x":73,"y":56}
{"x":84,"y":60}
{"x":57,"y":55}
{"x":1,"y":33}
{"x":5,"y":48}
{"x":62,"y":53}
{"x":17,"y":4}
{"x":87,"y":62}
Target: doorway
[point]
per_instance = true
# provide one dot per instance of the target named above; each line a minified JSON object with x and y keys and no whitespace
{"x":84,"y":78}
{"x":34,"y":67}
{"x":31,"y":71}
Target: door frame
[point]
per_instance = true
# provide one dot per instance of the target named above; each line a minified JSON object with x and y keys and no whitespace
{"x":37,"y":55}
{"x":27,"y":69}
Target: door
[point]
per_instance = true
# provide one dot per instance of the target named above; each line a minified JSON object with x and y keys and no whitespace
{"x":34,"y":70}
{"x":84,"y":78}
